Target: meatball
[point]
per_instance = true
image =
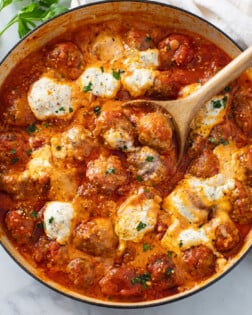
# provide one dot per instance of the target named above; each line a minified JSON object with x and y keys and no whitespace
{"x":155,"y":130}
{"x":67,"y":59}
{"x":162,"y":271}
{"x":120,"y":282}
{"x":199,"y":261}
{"x":206,"y":165}
{"x":242,"y":210}
{"x":107,"y":46}
{"x":75,"y":144}
{"x":81,"y":272}
{"x":51,"y":252}
{"x":227,"y":237}
{"x":107,"y":173}
{"x":242,"y":109}
{"x":176,"y":48}
{"x":95,"y":237}
{"x":20,"y":226}
{"x":116,"y":130}
{"x":139,"y":39}
{"x":17,"y":111}
{"x":147,"y":164}
{"x":14,"y":148}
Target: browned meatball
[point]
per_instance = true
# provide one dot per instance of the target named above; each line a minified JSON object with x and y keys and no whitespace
{"x":116,"y":130}
{"x":20,"y":226}
{"x":139,"y":39}
{"x":146,"y":163}
{"x":120,"y":282}
{"x":95,"y":237}
{"x":16,"y":110}
{"x":162,"y":271}
{"x":242,"y":210}
{"x":199,"y":261}
{"x":242,"y":109}
{"x":14,"y":149}
{"x":176,"y":48}
{"x":81,"y":272}
{"x":67,"y":59}
{"x":49,"y":251}
{"x":206,"y":165}
{"x":155,"y":130}
{"x":227,"y":236}
{"x":168,"y":83}
{"x":106,"y":173}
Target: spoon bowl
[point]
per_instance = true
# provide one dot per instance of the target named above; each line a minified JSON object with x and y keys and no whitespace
{"x":183,"y":110}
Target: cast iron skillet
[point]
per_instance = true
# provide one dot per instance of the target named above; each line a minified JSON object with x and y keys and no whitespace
{"x":97,"y":12}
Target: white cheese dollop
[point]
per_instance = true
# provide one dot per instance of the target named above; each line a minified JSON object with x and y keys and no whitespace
{"x":136,"y":216}
{"x":57,"y":220}
{"x":99,"y":82}
{"x":50,"y":99}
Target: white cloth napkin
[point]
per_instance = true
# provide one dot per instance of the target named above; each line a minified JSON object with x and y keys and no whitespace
{"x":234,"y":17}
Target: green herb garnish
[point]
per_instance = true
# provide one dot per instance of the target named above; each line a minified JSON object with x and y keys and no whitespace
{"x":30,"y":15}
{"x":117,"y":74}
{"x":146,"y":247}
{"x":110,"y":170}
{"x":31,"y":128}
{"x":97,"y":110}
{"x":142,"y":279}
{"x":141,"y":226}
{"x":149,"y":158}
{"x":88,"y":87}
{"x":50,"y":221}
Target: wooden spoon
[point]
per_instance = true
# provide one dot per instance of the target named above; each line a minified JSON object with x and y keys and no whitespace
{"x":183,"y":110}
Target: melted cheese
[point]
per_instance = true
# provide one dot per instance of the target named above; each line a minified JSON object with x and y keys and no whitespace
{"x":99,"y":82}
{"x":50,"y":99}
{"x":40,"y":164}
{"x":209,"y":116}
{"x":191,"y":200}
{"x":57,"y":220}
{"x":136,"y":216}
{"x":119,"y":139}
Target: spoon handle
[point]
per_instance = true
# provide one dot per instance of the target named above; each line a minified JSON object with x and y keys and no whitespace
{"x":230,"y":72}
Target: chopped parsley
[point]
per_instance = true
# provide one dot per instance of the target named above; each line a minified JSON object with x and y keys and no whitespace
{"x":169,"y":254}
{"x":31,"y":128}
{"x":169,"y":271}
{"x":34,"y":214}
{"x":180,"y":243}
{"x":227,"y":89}
{"x":62,"y":109}
{"x":97,"y":110}
{"x":58,"y":147}
{"x":117,"y":74}
{"x":139,"y":178}
{"x":146,"y":247}
{"x":143,"y":279}
{"x":124,"y":147}
{"x":29,"y":152}
{"x":13,"y":151}
{"x":70,"y":109}
{"x":212,"y":140}
{"x":110,"y":170}
{"x":147,"y":38}
{"x":88,"y":87}
{"x":46,"y":124}
{"x":102,"y":69}
{"x":141,"y":226}
{"x":223,"y":141}
{"x":218,"y":141}
{"x":149,"y":158}
{"x":50,"y":221}
{"x":14,"y":160}
{"x":219,"y":103}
